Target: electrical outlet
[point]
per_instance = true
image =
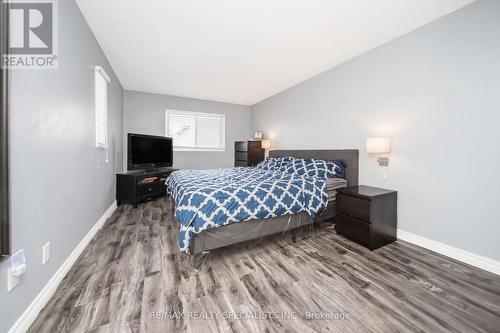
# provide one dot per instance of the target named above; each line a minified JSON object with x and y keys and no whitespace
{"x":46,"y":253}
{"x":12,"y":280}
{"x":16,"y":269}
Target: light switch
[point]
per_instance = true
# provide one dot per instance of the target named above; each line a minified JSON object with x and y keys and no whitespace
{"x":46,"y":253}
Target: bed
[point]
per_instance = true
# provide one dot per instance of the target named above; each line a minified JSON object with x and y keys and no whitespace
{"x":315,"y":203}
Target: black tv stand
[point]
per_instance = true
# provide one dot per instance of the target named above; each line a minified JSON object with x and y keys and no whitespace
{"x":134,"y":187}
{"x":149,"y":171}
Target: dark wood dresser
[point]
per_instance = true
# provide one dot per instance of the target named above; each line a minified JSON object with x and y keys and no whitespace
{"x":248,"y":153}
{"x":367,"y":215}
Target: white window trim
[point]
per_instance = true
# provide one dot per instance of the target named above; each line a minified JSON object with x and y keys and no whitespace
{"x":199,"y":114}
{"x":103,"y":73}
{"x":100,"y":71}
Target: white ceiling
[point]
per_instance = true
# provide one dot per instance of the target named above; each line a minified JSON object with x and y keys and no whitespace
{"x":243,"y":51}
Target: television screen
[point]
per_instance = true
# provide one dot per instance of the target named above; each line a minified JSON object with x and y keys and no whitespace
{"x":146,"y":151}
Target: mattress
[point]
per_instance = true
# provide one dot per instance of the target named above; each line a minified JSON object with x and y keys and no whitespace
{"x":240,"y":232}
{"x":207,"y":199}
{"x":332,"y":185}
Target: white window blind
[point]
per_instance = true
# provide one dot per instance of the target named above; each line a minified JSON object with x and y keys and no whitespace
{"x":101,"y":108}
{"x":195,"y":130}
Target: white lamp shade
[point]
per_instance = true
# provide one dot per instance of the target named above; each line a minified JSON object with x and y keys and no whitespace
{"x":378,"y":145}
{"x":265,"y":144}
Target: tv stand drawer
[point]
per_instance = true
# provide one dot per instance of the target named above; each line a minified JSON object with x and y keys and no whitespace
{"x":153,"y":188}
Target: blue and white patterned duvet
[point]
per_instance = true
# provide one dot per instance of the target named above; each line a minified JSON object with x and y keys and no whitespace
{"x":208,"y":199}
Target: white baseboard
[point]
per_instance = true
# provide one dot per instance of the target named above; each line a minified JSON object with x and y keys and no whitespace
{"x":24,"y":322}
{"x":470,"y":258}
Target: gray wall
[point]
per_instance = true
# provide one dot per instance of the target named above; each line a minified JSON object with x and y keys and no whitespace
{"x":145,"y":113}
{"x":61,"y":184}
{"x":436,"y":92}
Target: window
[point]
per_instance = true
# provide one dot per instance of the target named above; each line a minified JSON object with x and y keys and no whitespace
{"x":101,"y":107}
{"x":195,"y":130}
{"x":4,"y":137}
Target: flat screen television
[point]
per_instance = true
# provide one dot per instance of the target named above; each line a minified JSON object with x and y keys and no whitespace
{"x":149,"y":151}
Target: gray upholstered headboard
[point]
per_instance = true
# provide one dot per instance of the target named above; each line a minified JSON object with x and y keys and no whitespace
{"x":349,"y":156}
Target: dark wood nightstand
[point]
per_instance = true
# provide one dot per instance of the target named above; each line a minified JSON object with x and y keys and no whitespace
{"x":367,"y":215}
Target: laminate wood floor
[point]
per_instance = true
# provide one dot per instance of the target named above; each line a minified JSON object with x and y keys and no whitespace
{"x":132,"y":278}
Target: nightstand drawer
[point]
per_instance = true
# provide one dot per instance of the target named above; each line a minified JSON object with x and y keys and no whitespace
{"x":240,"y":156}
{"x":352,"y":206}
{"x":353,"y":228}
{"x":241,"y":146}
{"x":240,"y":163}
